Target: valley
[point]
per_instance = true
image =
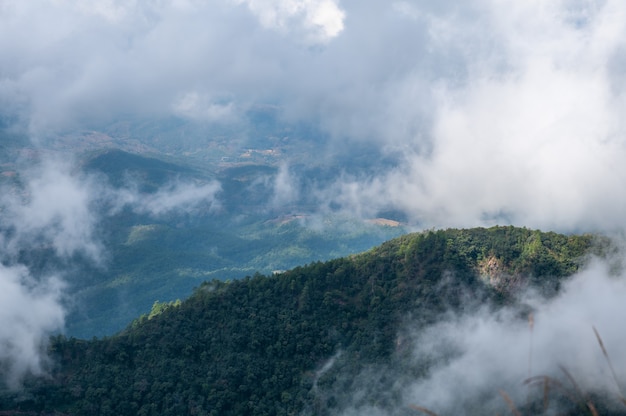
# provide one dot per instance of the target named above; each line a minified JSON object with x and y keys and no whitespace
{"x":151,"y":252}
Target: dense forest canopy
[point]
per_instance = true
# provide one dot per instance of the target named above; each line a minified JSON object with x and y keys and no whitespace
{"x":295,"y":342}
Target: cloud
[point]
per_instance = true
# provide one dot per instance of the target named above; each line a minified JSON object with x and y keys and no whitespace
{"x":50,"y":212}
{"x":177,"y":197}
{"x":53,"y":216}
{"x":475,"y":355}
{"x":199,"y":107}
{"x":491,"y":113}
{"x":493,"y":349}
{"x":528,"y":131}
{"x":31,"y":310}
{"x":187,"y":57}
{"x":69,"y":64}
{"x":540,"y":140}
{"x":54,"y":209}
{"x":321,"y":20}
{"x":286,"y":188}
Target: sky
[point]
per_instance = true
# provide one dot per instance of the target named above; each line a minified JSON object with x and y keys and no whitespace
{"x":494,"y":112}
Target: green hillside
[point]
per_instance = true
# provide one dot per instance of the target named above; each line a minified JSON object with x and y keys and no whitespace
{"x":294,"y":343}
{"x":148,"y":258}
{"x":144,"y":257}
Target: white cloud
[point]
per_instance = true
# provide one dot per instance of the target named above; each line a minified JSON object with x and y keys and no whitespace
{"x":202,"y":108}
{"x":475,"y":355}
{"x":529,"y":129}
{"x":177,"y":197}
{"x":111,"y":10}
{"x":31,"y":310}
{"x":320,"y":20}
{"x":58,"y":210}
{"x":53,"y":212}
{"x":494,"y":112}
{"x":286,"y":187}
{"x":494,"y":350}
{"x":407,"y":9}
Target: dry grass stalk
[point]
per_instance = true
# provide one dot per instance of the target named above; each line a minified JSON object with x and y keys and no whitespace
{"x":608,"y":361}
{"x":586,"y":401}
{"x":509,"y":402}
{"x":546,"y":392}
{"x":547,"y":382}
{"x":592,"y":409}
{"x":581,"y":400}
{"x":423,"y":410}
{"x":531,"y":325}
{"x":572,"y":380}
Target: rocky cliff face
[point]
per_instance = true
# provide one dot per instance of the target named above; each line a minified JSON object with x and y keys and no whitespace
{"x":496,"y":275}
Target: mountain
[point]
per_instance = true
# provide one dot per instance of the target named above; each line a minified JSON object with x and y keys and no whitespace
{"x":300,"y":342}
{"x":152,"y":257}
{"x":159,"y":220}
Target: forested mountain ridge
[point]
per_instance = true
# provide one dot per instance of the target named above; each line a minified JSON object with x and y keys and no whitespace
{"x":296,"y":342}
